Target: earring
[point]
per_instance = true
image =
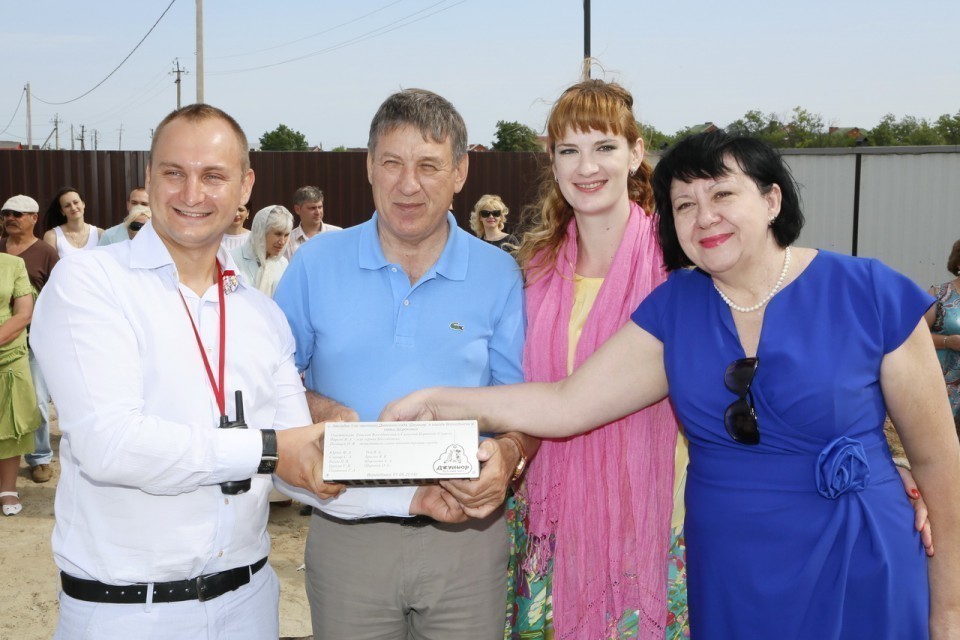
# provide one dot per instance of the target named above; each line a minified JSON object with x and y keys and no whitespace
{"x":772,"y":220}
{"x":633,"y":172}
{"x":556,"y":179}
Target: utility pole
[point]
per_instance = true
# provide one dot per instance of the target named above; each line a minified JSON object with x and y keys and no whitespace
{"x":83,"y":136}
{"x":177,"y":71}
{"x":586,"y":39}
{"x":29,"y":119}
{"x":120,"y":138}
{"x":56,"y":129}
{"x":95,"y":134}
{"x":71,"y":138}
{"x":44,"y":145}
{"x":199,"y":51}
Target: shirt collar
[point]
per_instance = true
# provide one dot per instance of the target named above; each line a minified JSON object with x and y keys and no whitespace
{"x":147,"y":251}
{"x":452,"y":263}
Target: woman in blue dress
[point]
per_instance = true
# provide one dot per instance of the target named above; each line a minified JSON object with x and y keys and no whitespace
{"x":781,"y":363}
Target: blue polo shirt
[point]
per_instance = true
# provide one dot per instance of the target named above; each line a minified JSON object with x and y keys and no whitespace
{"x":366,"y":336}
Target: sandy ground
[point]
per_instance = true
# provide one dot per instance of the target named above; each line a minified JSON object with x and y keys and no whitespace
{"x":28,"y":582}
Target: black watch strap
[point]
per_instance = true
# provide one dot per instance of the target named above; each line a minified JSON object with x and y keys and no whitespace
{"x":269,"y":457}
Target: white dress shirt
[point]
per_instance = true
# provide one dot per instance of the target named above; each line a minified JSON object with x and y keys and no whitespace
{"x":139,"y":497}
{"x":298,"y":238}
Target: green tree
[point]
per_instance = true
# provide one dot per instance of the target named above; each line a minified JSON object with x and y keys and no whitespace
{"x":907,"y":131}
{"x":753,"y":123}
{"x":757,"y":125}
{"x":949,"y":128}
{"x":513,"y":136}
{"x":839,"y":138}
{"x":283,"y":138}
{"x":883,"y":134}
{"x":923,"y":132}
{"x":804,"y":129}
{"x":654,"y":139}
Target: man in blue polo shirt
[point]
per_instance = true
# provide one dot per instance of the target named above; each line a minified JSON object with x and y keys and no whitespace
{"x":405,"y":301}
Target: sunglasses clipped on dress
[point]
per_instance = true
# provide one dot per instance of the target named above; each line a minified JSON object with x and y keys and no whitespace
{"x":740,"y":418}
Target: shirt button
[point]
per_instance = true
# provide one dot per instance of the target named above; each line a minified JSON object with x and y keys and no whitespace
{"x":226,"y":501}
{"x":406,"y":303}
{"x":394,"y":269}
{"x":220,"y":555}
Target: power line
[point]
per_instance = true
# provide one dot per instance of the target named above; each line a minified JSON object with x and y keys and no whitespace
{"x":15,"y":111}
{"x":138,"y":98}
{"x":379,"y":31}
{"x":118,"y":66}
{"x":320,"y":33}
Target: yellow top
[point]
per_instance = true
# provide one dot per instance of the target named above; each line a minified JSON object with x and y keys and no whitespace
{"x":585,"y":292}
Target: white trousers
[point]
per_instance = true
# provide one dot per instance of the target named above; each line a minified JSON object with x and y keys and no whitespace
{"x":248,"y":613}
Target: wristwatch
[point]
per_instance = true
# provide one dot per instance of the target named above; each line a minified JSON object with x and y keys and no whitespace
{"x":522,"y":462}
{"x":269,"y":456}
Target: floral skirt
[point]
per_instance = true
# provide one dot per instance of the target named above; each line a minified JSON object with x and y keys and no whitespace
{"x":530,"y":604}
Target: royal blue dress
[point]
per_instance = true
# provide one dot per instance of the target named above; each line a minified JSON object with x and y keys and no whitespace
{"x":809,"y":534}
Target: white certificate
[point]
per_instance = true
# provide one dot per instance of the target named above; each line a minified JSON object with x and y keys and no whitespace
{"x":387,"y":453}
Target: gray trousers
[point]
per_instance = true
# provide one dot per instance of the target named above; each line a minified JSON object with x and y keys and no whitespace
{"x":385,"y":581}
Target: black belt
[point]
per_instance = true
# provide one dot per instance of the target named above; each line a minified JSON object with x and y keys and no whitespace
{"x":208,"y":587}
{"x":412,"y":521}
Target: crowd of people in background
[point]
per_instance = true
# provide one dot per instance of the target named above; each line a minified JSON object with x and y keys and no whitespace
{"x":686,"y":426}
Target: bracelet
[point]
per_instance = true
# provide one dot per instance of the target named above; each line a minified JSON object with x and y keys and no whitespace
{"x":522,"y":463}
{"x":903,"y":463}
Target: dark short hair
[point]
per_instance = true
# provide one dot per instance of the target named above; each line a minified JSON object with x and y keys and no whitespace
{"x":307,"y":194}
{"x":54,"y":216}
{"x":706,"y":156}
{"x":953,"y":262}
{"x":432,"y":115}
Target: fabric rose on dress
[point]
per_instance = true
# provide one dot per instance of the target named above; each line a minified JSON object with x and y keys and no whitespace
{"x":841,"y":468}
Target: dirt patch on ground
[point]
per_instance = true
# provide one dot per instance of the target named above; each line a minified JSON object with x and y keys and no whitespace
{"x":28,"y":589}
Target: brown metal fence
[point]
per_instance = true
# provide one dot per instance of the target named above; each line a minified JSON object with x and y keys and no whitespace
{"x":104,"y":178}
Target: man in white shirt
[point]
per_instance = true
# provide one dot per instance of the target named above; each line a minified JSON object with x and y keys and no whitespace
{"x":144,"y":345}
{"x":308,"y":205}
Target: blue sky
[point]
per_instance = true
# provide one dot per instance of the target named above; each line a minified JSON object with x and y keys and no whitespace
{"x":686,"y":61}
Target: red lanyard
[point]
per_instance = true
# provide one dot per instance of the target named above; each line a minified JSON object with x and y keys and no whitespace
{"x":218,"y":390}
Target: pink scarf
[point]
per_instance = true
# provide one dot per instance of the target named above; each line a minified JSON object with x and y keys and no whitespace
{"x":605,"y":497}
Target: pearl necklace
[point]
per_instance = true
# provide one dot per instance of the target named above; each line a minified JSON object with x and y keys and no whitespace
{"x":766,"y":299}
